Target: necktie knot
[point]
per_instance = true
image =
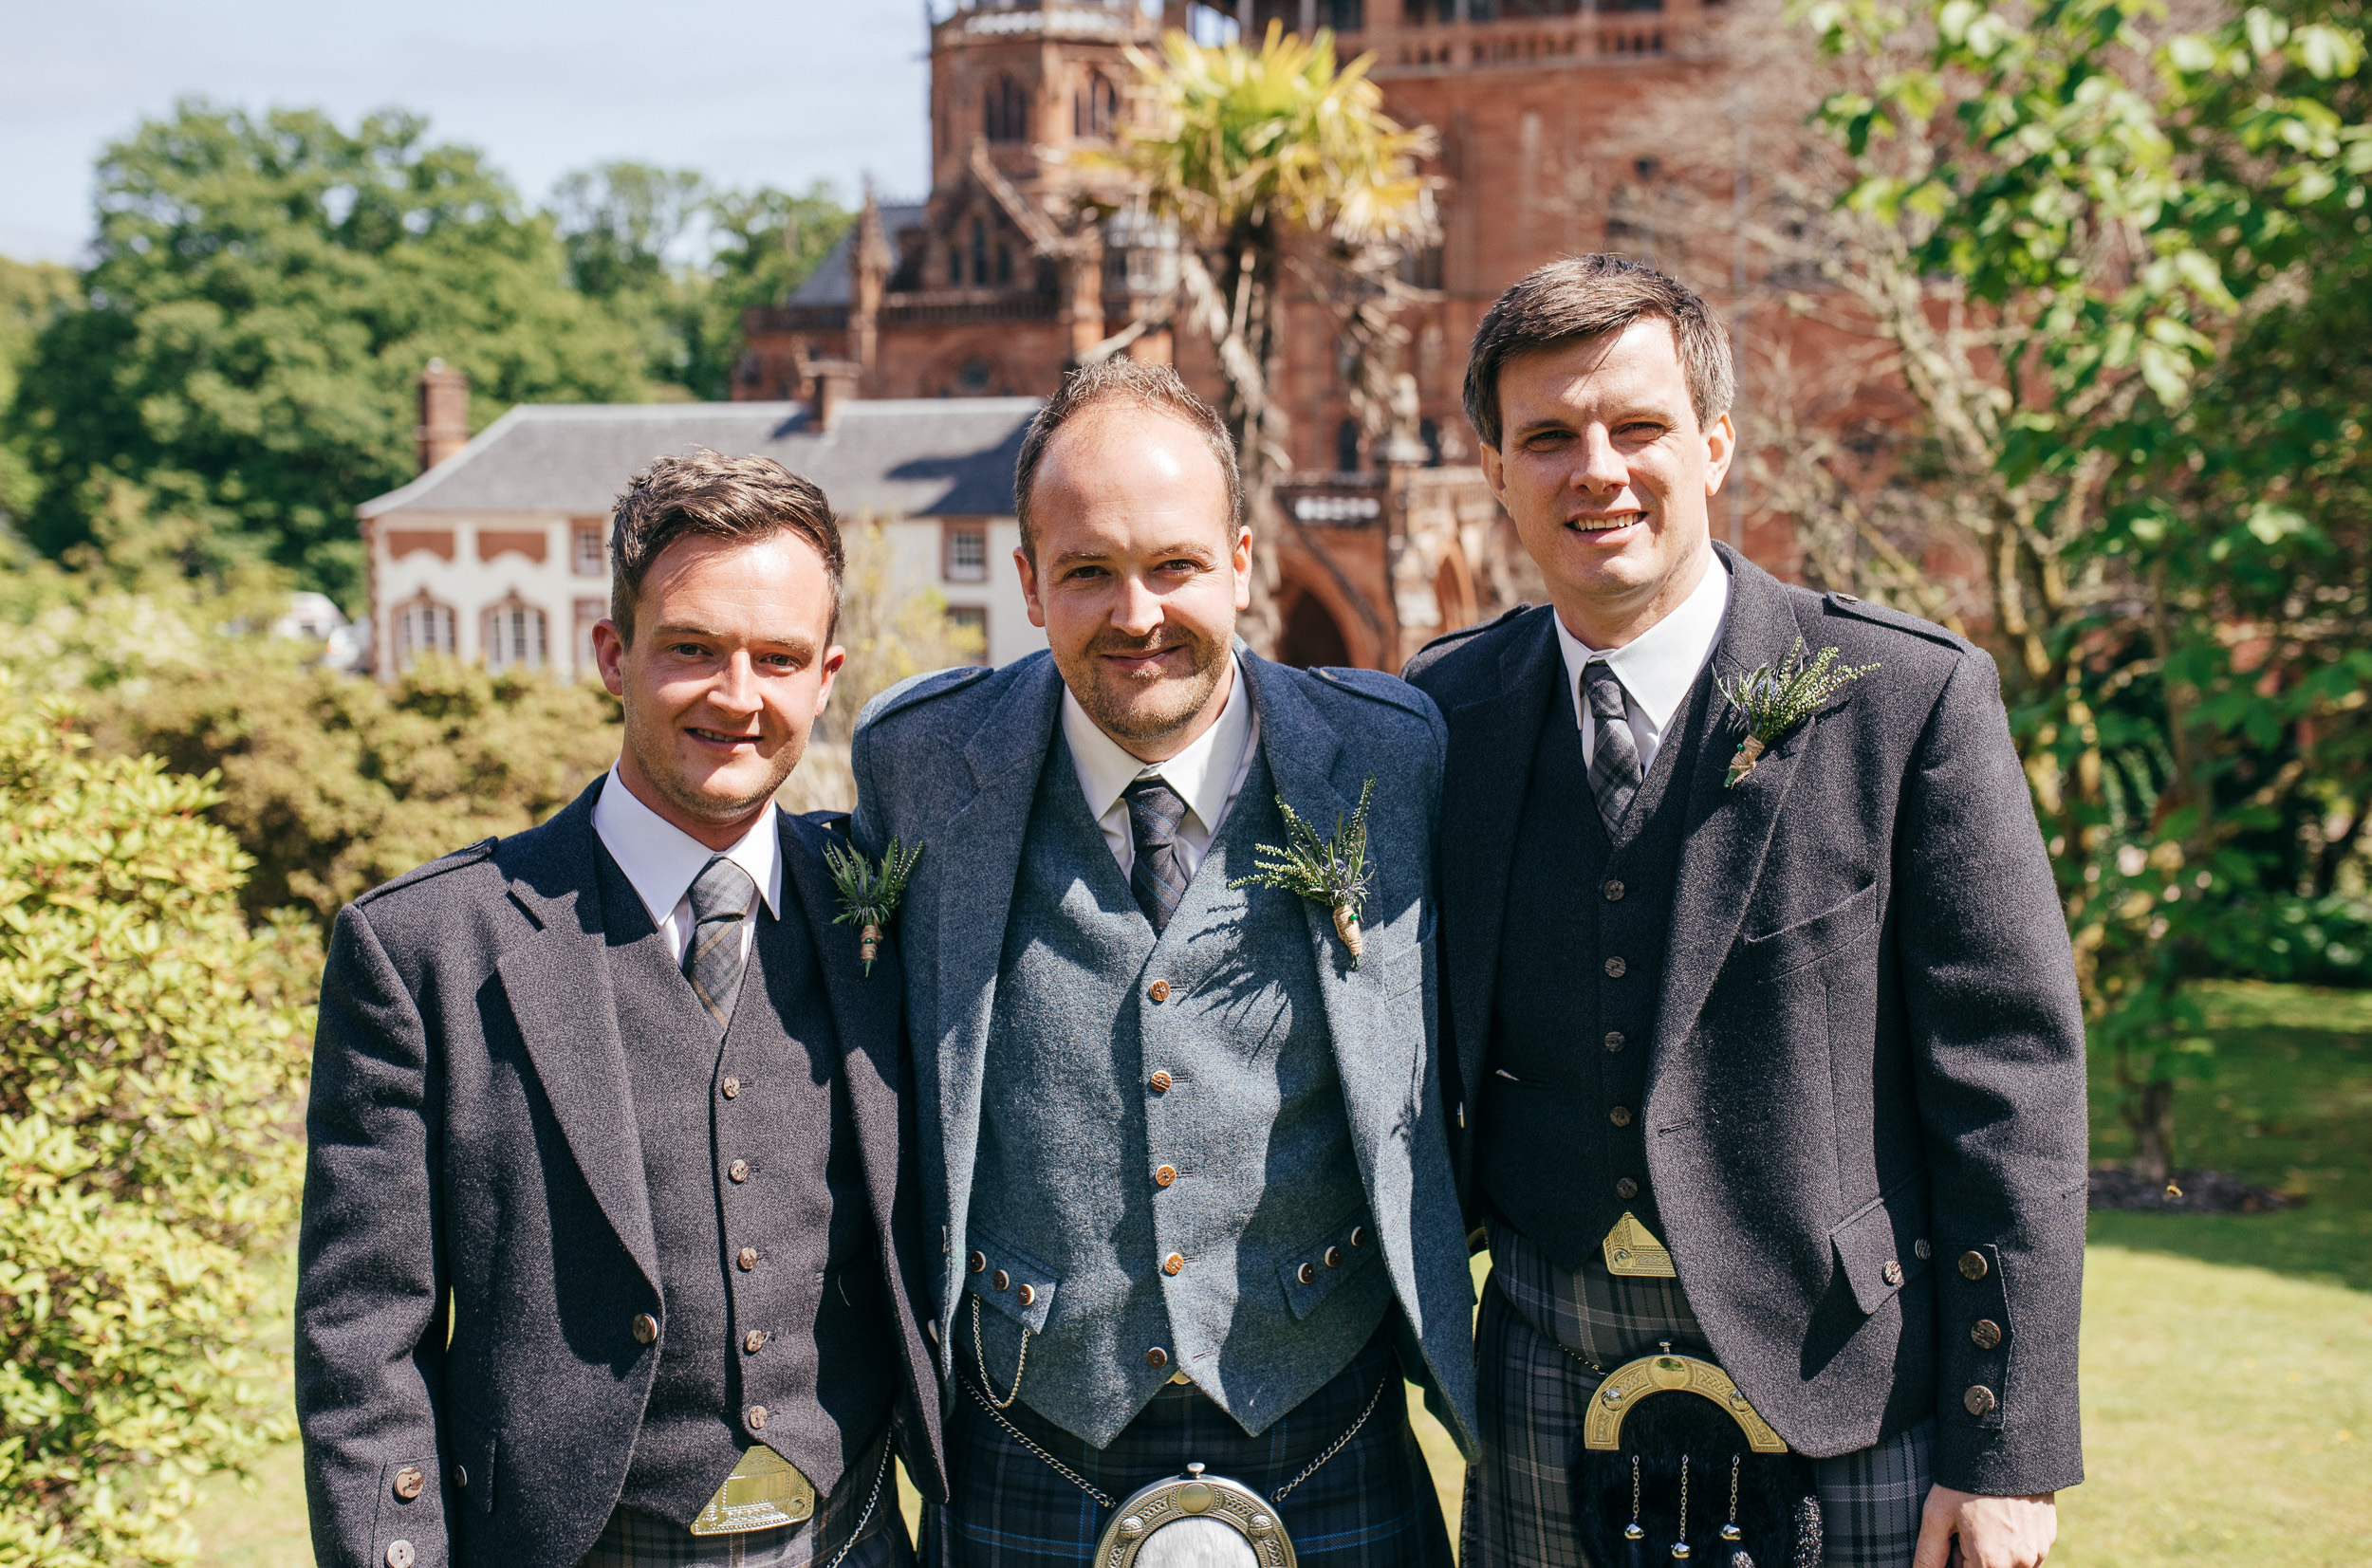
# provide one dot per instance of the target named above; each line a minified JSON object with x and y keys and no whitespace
{"x":1154,"y":811}
{"x":721,"y":897}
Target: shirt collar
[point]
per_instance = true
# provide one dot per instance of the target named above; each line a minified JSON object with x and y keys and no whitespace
{"x":660,"y":859}
{"x":1659,"y":665}
{"x":1203,"y":774}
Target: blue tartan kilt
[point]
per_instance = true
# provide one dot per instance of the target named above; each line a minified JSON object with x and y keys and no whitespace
{"x":1372,"y":1505}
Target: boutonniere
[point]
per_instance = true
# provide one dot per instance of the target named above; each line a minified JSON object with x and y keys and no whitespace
{"x":1331,"y":872}
{"x":869,"y":895}
{"x":1774,"y":699}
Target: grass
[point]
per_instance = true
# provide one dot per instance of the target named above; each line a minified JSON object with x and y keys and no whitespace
{"x":2227,"y":1359}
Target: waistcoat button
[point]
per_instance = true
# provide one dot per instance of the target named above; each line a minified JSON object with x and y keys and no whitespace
{"x":1979,"y":1400}
{"x":1000,"y":1278}
{"x":645,"y":1328}
{"x":1616,"y":968}
{"x":1921,"y":1249}
{"x":460,"y":1478}
{"x":979,"y":1261}
{"x":1165,"y":1174}
{"x":1160,"y":1082}
{"x":731,"y":1087}
{"x":1614,"y":891}
{"x":1972,"y":1265}
{"x":1620,"y":1115}
{"x":1359,"y":1235}
{"x":1158,"y":991}
{"x":1985,"y":1334}
{"x":1614,"y":1039}
{"x":1626,"y":1188}
{"x":738,"y":1171}
{"x":753,"y":1342}
{"x":1156,"y":1358}
{"x":399,"y":1555}
{"x":748,"y":1259}
{"x":409,"y":1481}
{"x":1172,"y":1264}
{"x":757,"y":1418}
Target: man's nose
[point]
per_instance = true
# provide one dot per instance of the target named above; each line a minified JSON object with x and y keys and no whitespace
{"x":735,"y":689}
{"x":1601,"y":469}
{"x":1136,"y":609}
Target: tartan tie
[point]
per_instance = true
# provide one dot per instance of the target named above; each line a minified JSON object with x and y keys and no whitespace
{"x":1153,"y":812}
{"x":1614,"y":770}
{"x":721,"y":896}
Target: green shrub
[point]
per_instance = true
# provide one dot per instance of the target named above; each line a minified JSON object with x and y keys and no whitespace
{"x":152,"y":1058}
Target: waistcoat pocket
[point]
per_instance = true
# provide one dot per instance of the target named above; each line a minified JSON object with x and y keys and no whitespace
{"x":1010,"y":1280}
{"x":1315,"y":1271}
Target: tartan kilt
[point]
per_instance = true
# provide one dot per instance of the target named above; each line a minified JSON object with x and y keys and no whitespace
{"x":1372,"y":1505}
{"x":637,"y":1539}
{"x":1541,"y":1328}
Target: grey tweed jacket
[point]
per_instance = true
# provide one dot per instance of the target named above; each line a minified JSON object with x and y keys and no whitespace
{"x":952,"y":760}
{"x":1865,"y":1096}
{"x":478,"y":1236}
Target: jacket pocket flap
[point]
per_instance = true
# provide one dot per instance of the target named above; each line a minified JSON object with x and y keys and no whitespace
{"x":1806,"y":942}
{"x":1010,"y":1280}
{"x":1882,"y":1246}
{"x":1310,"y":1274}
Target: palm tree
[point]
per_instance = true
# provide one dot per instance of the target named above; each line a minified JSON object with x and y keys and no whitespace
{"x":1279,"y":170}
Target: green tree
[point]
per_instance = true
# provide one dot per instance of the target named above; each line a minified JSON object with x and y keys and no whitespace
{"x":264,"y":292}
{"x":32,"y":294}
{"x":152,"y":1060}
{"x":1281,"y":171}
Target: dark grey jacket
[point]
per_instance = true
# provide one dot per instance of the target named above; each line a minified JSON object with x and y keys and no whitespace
{"x":1867,"y":1073}
{"x":478,"y":1238}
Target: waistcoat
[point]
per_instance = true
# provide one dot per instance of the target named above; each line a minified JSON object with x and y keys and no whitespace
{"x":1561,"y":1152}
{"x":772,"y":1168}
{"x":1166,"y":1180}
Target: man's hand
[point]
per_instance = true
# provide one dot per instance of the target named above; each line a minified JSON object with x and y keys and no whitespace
{"x":1992,"y":1532}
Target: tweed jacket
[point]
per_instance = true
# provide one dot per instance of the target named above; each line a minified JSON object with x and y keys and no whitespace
{"x":951,"y":760}
{"x":478,"y":1238}
{"x":1864,"y":1113}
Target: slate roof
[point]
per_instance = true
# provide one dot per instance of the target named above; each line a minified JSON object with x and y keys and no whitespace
{"x":907,"y":457}
{"x":828,"y":283}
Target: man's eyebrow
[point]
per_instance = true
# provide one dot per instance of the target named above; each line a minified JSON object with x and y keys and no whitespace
{"x":667,"y":629}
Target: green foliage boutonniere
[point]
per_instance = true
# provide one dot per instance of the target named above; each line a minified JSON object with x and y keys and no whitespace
{"x":1774,"y":699}
{"x":869,"y":895}
{"x":1331,"y":872}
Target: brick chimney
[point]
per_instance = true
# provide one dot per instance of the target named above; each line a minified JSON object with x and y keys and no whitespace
{"x":830,"y":384}
{"x":444,"y":427}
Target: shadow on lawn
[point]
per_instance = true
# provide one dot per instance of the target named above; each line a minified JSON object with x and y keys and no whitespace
{"x":2285,"y":1100}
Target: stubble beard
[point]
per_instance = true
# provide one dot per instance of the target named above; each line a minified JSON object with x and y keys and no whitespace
{"x":664,"y":773}
{"x":1148,"y":710}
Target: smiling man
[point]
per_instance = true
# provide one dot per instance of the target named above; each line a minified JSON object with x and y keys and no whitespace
{"x":1183,"y":1152}
{"x":608,"y":1189}
{"x":1779,"y":1071}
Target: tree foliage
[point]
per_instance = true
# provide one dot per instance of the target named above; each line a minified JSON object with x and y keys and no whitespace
{"x":264,"y":293}
{"x":151,"y":1056}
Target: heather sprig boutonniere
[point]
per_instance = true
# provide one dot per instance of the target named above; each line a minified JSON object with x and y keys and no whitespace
{"x":1331,"y":872}
{"x":869,"y":894}
{"x":1774,"y":699}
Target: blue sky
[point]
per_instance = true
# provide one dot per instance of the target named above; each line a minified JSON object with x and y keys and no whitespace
{"x":747,"y":94}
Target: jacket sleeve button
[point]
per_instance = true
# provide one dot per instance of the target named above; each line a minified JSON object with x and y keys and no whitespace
{"x":1026,"y":1295}
{"x":1309,"y":1275}
{"x":1001,"y":1279}
{"x":979,"y":1261}
{"x":645,"y":1328}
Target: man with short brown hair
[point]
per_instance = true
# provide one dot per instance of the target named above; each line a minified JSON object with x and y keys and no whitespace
{"x":1769,"y":1060}
{"x":609,"y":1195}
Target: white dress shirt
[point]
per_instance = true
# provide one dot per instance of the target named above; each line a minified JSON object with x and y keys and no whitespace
{"x":1657,"y":668}
{"x":1208,"y":775}
{"x":662,"y":860}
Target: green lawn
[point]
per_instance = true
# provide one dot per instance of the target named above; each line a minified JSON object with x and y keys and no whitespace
{"x":2227,"y":1359}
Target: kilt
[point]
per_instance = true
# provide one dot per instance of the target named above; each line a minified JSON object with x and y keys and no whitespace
{"x":1372,"y":1505}
{"x":1545,"y":1338}
{"x":636,"y":1539}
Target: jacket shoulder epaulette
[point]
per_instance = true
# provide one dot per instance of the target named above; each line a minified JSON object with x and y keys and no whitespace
{"x":1880,"y":614}
{"x":917,"y":690}
{"x":1447,"y":638}
{"x":482,"y":850}
{"x":1377,"y":687}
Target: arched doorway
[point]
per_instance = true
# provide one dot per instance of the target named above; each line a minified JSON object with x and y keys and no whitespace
{"x":1310,"y":636}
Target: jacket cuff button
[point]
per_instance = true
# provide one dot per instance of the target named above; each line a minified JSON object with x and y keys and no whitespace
{"x":645,"y":1328}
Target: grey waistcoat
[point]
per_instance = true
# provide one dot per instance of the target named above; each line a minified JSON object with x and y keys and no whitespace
{"x":1092,"y":1182}
{"x":823,"y":1366}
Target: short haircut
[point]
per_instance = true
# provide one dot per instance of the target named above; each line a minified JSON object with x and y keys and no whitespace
{"x":739,"y":498}
{"x":1120,"y":380}
{"x":1586,"y":297}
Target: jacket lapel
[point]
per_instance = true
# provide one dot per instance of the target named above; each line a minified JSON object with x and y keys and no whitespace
{"x":1492,"y":744}
{"x":557,"y":984}
{"x":1727,"y":830}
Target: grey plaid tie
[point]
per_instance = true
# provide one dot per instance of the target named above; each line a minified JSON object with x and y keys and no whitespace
{"x":1614,"y":770}
{"x":721,"y":896}
{"x":1153,"y":812}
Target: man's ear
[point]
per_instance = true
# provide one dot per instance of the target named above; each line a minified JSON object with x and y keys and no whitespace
{"x":609,"y":655}
{"x":1241,"y":561}
{"x":1029,"y":570}
{"x":1494,"y":474}
{"x":1721,"y":449}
